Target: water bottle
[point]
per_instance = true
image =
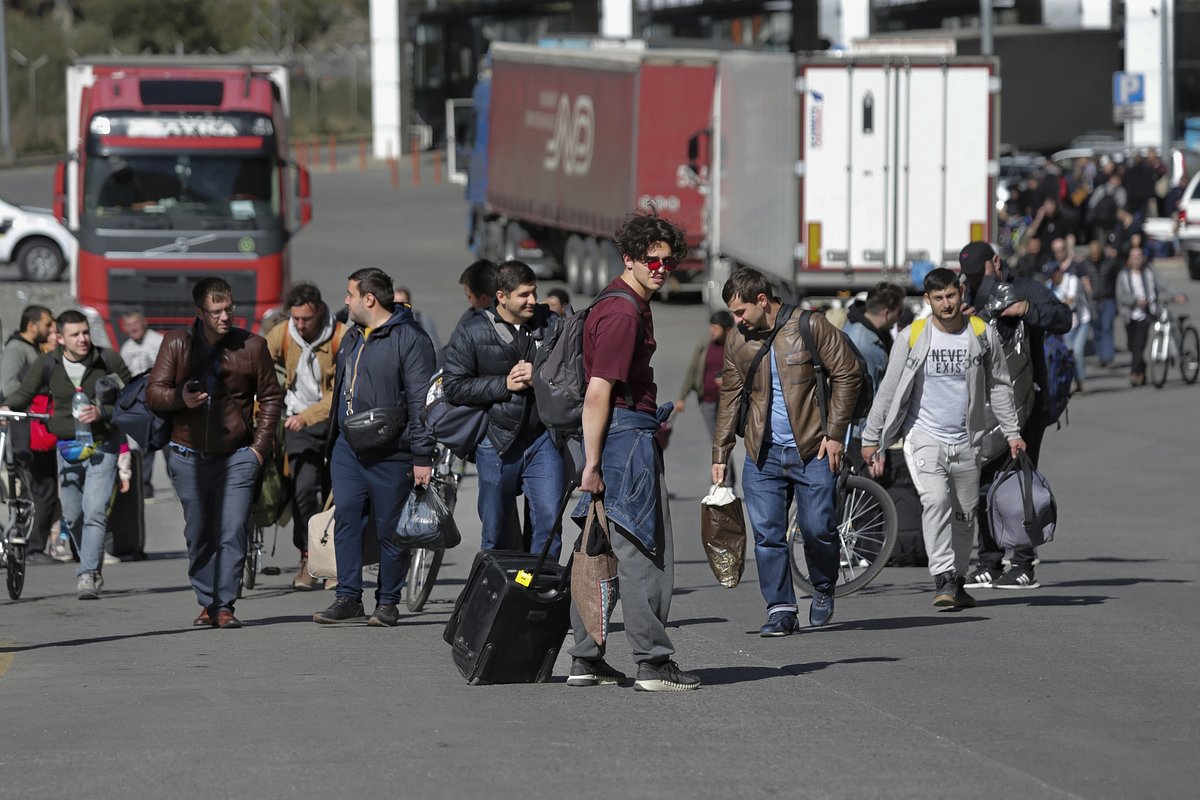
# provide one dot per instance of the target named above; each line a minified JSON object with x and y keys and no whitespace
{"x":83,"y":431}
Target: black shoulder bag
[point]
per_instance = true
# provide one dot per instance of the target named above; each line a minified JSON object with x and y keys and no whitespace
{"x":785,"y":313}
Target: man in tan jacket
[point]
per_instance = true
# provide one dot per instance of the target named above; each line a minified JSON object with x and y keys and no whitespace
{"x":790,"y":450}
{"x":305,"y":350}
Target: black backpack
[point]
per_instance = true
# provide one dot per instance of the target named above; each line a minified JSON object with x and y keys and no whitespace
{"x":132,"y":417}
{"x":866,"y":392}
{"x":559,"y":383}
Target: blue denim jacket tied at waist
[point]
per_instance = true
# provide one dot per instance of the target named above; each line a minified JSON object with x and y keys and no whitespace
{"x":629,"y":468}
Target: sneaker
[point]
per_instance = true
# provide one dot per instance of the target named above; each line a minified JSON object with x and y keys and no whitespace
{"x":61,"y":550}
{"x":821,"y":610}
{"x":665,"y":677}
{"x":961,"y":598}
{"x":385,"y":616}
{"x":983,"y":578}
{"x":781,"y":623}
{"x":946,"y":587}
{"x":593,"y":673}
{"x":303,"y":581}
{"x":109,"y":558}
{"x":342,"y":610}
{"x":1017,"y":578}
{"x":88,"y":586}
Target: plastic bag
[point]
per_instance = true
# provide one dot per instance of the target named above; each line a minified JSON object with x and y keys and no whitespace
{"x":723,"y":533}
{"x":426,"y":522}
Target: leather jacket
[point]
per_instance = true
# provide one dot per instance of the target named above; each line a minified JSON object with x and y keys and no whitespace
{"x":799,"y":383}
{"x":226,"y":423}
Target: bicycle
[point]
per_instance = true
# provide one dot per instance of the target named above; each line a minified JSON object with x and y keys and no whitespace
{"x":867,"y":531}
{"x":17,"y":506}
{"x":424,"y":563}
{"x":1173,"y":340}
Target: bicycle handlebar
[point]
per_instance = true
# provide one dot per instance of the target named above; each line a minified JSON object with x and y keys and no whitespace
{"x":6,"y":414}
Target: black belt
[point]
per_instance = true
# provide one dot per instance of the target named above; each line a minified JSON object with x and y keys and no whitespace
{"x":187,"y":452}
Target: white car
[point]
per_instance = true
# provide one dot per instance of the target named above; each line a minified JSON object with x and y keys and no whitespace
{"x":33,"y":240}
{"x":1189,"y":226}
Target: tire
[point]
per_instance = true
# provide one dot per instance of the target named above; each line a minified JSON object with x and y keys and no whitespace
{"x":1193,"y":264}
{"x":253,"y":563}
{"x":592,"y":282}
{"x":611,"y":264}
{"x":573,"y":263}
{"x":422,"y":574}
{"x":867,"y":533}
{"x":18,"y":509}
{"x":1160,"y":362}
{"x":14,"y":564}
{"x":40,"y":260}
{"x":1189,"y":355}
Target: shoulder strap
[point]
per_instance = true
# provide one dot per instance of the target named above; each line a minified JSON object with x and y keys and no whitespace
{"x":47,"y":368}
{"x":785,"y":313}
{"x":604,"y":295}
{"x":979,"y":326}
{"x":914,"y":331}
{"x":339,"y":330}
{"x":283,"y":345}
{"x":818,"y":367}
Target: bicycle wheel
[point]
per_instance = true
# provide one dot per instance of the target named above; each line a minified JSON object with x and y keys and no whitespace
{"x":867,"y":534}
{"x":250,"y":567}
{"x":1160,"y":360}
{"x":423,"y":568}
{"x":16,"y":503}
{"x":14,"y":564}
{"x":1189,"y":355}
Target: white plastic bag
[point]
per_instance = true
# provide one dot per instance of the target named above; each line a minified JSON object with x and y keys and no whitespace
{"x":718,"y":496}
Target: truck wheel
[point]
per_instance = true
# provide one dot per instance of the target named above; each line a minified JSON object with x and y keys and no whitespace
{"x":40,"y":260}
{"x":591,"y":268}
{"x":611,"y":264}
{"x":512,"y":237}
{"x":573,"y":256}
{"x":1193,"y":264}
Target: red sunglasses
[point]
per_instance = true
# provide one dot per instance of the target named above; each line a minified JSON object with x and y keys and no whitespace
{"x":666,"y":263}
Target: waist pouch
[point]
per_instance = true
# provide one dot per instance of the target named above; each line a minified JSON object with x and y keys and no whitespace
{"x":375,"y":430}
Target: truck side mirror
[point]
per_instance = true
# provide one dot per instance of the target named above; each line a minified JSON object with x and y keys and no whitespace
{"x":694,"y":147}
{"x":60,"y":192}
{"x":304,"y":195}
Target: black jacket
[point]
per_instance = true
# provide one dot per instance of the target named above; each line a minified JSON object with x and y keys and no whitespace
{"x":393,"y":371}
{"x":99,"y":362}
{"x":478,"y":360}
{"x":1046,"y":314}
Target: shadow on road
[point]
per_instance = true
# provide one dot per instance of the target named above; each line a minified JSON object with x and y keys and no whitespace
{"x":719,"y":676}
{"x":1047,"y":600}
{"x":1115,"y":582}
{"x":97,"y":640}
{"x":897,"y":623}
{"x":1102,"y":560}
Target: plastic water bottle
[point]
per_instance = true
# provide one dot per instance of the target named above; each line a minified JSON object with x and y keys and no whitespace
{"x":83,"y":431}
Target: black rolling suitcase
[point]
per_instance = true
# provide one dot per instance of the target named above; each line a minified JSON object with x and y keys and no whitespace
{"x":512,"y":616}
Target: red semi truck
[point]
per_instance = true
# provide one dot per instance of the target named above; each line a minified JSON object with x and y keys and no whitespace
{"x":177,"y":169}
{"x":569,"y":142}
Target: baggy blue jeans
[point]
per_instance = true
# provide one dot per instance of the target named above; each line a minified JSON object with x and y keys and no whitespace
{"x":383,"y":487}
{"x":769,"y":487}
{"x":1106,"y":313}
{"x":84,"y":491}
{"x":216,"y":493}
{"x":537,"y":471}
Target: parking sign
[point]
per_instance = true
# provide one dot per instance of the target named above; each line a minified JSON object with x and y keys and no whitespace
{"x":1129,"y":96}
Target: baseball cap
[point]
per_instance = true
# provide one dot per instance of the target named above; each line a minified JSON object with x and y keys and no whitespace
{"x":974,"y":257}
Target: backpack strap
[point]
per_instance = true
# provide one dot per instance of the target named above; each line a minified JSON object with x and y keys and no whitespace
{"x":978,"y":327}
{"x":818,"y":368}
{"x":914,"y":331}
{"x":47,"y":368}
{"x":283,"y":346}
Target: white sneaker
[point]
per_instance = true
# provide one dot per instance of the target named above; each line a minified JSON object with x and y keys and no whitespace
{"x":88,"y":586}
{"x":60,"y":550}
{"x":109,"y":558}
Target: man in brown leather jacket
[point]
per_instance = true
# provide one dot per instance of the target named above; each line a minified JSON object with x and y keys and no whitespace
{"x":209,"y":376}
{"x":789,"y":451}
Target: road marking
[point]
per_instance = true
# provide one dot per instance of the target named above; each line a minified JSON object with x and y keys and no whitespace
{"x":6,"y":659}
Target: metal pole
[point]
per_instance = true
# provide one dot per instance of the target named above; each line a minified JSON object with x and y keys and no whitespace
{"x":6,"y":148}
{"x":986,"y":45}
{"x":1168,"y":104}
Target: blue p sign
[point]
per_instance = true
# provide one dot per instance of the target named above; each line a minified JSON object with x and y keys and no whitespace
{"x":1129,"y":88}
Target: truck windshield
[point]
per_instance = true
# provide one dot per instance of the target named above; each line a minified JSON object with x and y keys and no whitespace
{"x":180,"y":190}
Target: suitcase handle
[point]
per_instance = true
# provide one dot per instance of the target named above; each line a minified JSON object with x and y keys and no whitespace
{"x":564,"y":581}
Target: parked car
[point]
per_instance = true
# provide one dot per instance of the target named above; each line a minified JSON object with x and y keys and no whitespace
{"x":33,"y":240}
{"x":1188,"y":229}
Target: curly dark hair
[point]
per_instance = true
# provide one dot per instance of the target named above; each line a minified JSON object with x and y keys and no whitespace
{"x":644,"y":230}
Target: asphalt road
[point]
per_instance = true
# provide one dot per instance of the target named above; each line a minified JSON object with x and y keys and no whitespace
{"x":1087,"y":687}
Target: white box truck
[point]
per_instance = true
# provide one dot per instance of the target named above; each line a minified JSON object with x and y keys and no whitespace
{"x":831,"y":174}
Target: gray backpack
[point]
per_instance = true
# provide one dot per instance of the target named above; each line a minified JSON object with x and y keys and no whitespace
{"x":559,"y":383}
{"x":1021,"y":508}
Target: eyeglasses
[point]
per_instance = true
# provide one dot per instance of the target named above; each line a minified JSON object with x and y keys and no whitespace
{"x":220,"y":312}
{"x":666,"y":263}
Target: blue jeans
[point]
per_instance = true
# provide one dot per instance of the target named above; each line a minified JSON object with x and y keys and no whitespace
{"x":1077,"y":341}
{"x":383,"y":487}
{"x":769,"y":488}
{"x":84,"y":491}
{"x":535,"y":470}
{"x":1106,"y":313}
{"x":216,"y":493}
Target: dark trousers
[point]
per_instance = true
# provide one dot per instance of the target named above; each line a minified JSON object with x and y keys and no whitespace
{"x":43,"y":489}
{"x":216,"y":494}
{"x":991,"y":554}
{"x":305,"y":457}
{"x":383,"y":486}
{"x":1136,"y":333}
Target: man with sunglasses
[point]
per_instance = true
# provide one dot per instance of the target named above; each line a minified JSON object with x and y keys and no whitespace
{"x":208,"y":377}
{"x":620,"y":417}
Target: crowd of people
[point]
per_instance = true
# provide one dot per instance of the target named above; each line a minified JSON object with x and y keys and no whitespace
{"x":342,"y":401}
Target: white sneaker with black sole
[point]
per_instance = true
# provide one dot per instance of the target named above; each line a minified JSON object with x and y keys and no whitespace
{"x":1017,"y":578}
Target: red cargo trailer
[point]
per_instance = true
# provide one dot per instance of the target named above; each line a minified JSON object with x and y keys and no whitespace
{"x":576,"y":140}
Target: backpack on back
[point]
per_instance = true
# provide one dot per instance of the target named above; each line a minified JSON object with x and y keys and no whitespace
{"x":132,"y":417}
{"x":559,"y":382}
{"x":866,"y":392}
{"x":1060,"y":377}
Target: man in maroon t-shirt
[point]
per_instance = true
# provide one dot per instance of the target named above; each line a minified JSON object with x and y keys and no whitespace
{"x":619,"y":419}
{"x":704,"y":375}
